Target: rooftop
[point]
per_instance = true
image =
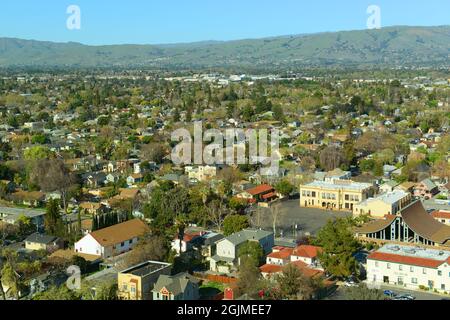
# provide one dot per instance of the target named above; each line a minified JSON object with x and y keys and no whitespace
{"x":389,"y":197}
{"x":248,"y":234}
{"x":338,"y":185}
{"x":417,"y":256}
{"x":146,"y":268}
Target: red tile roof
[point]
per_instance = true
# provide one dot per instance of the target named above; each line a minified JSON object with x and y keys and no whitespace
{"x":414,"y":261}
{"x":264,"y":188}
{"x":303,"y":267}
{"x":441,"y":214}
{"x":270,"y":268}
{"x":269,"y":195}
{"x":307,"y":251}
{"x":282,"y":254}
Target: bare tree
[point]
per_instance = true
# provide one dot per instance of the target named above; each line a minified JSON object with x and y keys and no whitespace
{"x":150,"y":248}
{"x":52,"y":175}
{"x":216,"y":213}
{"x":331,"y":158}
{"x":275,"y":214}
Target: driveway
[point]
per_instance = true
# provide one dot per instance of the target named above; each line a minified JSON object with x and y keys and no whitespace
{"x":293,"y":220}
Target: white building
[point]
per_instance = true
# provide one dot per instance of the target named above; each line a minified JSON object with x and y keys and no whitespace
{"x":410,"y":267}
{"x":112,"y":241}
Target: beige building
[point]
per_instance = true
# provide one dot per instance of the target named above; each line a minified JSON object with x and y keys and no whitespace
{"x":137,"y":282}
{"x":201,"y":173}
{"x":334,"y":195}
{"x":38,"y":241}
{"x":389,"y":203}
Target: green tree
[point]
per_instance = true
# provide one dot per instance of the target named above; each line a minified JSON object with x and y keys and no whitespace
{"x":284,"y":187}
{"x":234,"y":223}
{"x":249,"y":276}
{"x":58,"y":293}
{"x":54,"y":224}
{"x":294,"y":285}
{"x":25,"y":225}
{"x":362,"y":292}
{"x":253,"y":250}
{"x":339,"y":244}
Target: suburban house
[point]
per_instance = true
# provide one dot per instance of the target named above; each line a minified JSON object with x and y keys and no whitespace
{"x":304,"y":257}
{"x":334,"y":195}
{"x":113,"y":240}
{"x":389,"y":203}
{"x":190,"y":239}
{"x":135,"y":178}
{"x":388,"y":186}
{"x":182,"y":286}
{"x":227,"y":252}
{"x":443,"y":216}
{"x":12,"y":215}
{"x":426,"y":189}
{"x":261,"y":193}
{"x":410,"y":267}
{"x":406,"y":186}
{"x":136,"y":282}
{"x":28,"y":198}
{"x":92,"y":208}
{"x":201,"y":173}
{"x":38,"y":241}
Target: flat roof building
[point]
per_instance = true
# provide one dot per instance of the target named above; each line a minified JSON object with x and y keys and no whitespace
{"x":410,"y":267}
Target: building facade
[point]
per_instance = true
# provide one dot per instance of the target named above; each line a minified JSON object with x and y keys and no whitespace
{"x":137,"y":282}
{"x":334,"y":195}
{"x":389,"y":203}
{"x":410,"y":267}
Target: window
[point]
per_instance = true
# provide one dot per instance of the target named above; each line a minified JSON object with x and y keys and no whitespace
{"x":130,"y":241}
{"x":439,"y":273}
{"x":424,"y":271}
{"x":411,"y":269}
{"x":314,"y":194}
{"x":346,"y":197}
{"x":442,"y":286}
{"x":133,"y":290}
{"x":376,"y":263}
{"x":400,"y":267}
{"x":122,"y":244}
{"x":124,"y":287}
{"x":388,"y":266}
{"x":414,"y":280}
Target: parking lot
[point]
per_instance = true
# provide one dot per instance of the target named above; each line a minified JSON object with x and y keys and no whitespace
{"x":295,"y":221}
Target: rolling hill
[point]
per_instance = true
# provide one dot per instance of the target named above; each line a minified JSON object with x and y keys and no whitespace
{"x":387,"y":47}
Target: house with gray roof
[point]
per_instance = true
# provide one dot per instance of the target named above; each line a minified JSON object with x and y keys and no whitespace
{"x":182,"y":286}
{"x":227,"y":250}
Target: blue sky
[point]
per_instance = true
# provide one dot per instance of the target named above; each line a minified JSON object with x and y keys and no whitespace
{"x":172,"y":21}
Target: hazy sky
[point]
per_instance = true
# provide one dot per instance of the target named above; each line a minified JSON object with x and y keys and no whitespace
{"x":170,"y":21}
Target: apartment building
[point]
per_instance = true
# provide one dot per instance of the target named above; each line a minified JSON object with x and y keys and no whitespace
{"x":410,"y":267}
{"x":137,"y":282}
{"x":334,"y":194}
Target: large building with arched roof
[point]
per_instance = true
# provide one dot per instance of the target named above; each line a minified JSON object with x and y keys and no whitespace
{"x":413,"y":224}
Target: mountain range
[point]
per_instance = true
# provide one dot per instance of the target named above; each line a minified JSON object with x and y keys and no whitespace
{"x":400,"y":46}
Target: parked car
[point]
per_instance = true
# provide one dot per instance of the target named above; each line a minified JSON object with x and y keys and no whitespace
{"x":350,"y":283}
{"x":407,"y":297}
{"x":389,"y":293}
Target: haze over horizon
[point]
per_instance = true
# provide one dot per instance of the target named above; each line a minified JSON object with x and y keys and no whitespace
{"x":163,"y":22}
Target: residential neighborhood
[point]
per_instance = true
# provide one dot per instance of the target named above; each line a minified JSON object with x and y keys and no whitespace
{"x":290,"y":168}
